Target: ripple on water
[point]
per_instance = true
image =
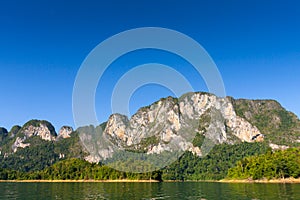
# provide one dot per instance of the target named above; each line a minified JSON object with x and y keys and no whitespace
{"x":148,"y":191}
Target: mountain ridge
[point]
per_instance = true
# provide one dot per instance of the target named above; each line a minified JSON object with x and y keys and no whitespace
{"x":202,"y":115}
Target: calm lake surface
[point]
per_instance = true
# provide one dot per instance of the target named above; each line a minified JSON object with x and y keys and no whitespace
{"x":187,"y":190}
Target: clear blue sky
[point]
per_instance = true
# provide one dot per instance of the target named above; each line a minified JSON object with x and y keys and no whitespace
{"x":255,"y":44}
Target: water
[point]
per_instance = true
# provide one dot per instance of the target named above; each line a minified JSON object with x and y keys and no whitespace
{"x":187,"y":190}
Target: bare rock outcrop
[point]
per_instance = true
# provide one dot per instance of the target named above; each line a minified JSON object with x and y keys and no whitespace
{"x":42,"y":129}
{"x":65,"y":132}
{"x":171,"y":124}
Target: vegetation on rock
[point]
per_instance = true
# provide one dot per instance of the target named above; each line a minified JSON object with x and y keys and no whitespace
{"x":32,"y":157}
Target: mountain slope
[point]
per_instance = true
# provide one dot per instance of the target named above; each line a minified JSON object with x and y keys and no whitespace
{"x":36,"y":146}
{"x":171,"y":124}
{"x":189,"y":127}
{"x":277,"y":124}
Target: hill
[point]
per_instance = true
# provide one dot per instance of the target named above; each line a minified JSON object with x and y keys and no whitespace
{"x":197,"y":136}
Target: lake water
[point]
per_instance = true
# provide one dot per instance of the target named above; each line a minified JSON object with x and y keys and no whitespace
{"x":187,"y":190}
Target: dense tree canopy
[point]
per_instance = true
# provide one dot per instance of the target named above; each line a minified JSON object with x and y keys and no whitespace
{"x":272,"y":165}
{"x":214,"y":166}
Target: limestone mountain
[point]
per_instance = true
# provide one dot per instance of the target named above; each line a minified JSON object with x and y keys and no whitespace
{"x":277,"y":124}
{"x":36,"y":145}
{"x":172,"y":124}
{"x":194,"y":122}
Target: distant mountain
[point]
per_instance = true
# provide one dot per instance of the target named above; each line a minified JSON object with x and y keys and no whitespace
{"x":193,"y":123}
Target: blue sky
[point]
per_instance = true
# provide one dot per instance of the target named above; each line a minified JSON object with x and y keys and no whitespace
{"x":255,"y":45}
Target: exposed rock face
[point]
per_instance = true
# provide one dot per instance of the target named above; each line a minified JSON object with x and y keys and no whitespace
{"x":278,"y":147}
{"x":163,"y":115}
{"x":65,"y":132}
{"x":195,"y":150}
{"x":19,"y":143}
{"x":93,"y":138}
{"x":32,"y":128}
{"x":163,"y":128}
{"x":42,"y":130}
{"x":274,"y":122}
{"x":172,"y":123}
{"x":61,"y":156}
{"x":93,"y":158}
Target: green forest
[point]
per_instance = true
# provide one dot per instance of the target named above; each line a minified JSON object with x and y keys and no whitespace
{"x":76,"y":169}
{"x":63,"y":158}
{"x":239,"y":161}
{"x":272,"y":165}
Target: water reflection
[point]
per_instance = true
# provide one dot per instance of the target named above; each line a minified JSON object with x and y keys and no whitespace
{"x":148,"y":191}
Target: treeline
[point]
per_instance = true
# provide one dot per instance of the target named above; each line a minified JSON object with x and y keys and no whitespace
{"x":77,"y":169}
{"x":214,"y":166}
{"x":272,"y":165}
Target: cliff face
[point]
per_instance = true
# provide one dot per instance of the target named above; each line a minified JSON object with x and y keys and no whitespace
{"x":42,"y":129}
{"x":65,"y":132}
{"x":35,"y":146}
{"x":171,"y":124}
{"x":277,"y":124}
{"x":35,"y":128}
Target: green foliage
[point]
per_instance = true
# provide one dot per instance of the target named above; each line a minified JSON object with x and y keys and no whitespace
{"x":143,"y":146}
{"x":38,"y":156}
{"x":7,"y":137}
{"x":214,"y":166}
{"x":41,"y":153}
{"x":198,"y":140}
{"x":77,"y":169}
{"x":188,"y":167}
{"x":3,"y":131}
{"x":277,"y":124}
{"x":3,"y":134}
{"x":103,"y":125}
{"x":42,"y":159}
{"x":70,"y":147}
{"x":14,"y":130}
{"x":149,"y":141}
{"x":272,"y":165}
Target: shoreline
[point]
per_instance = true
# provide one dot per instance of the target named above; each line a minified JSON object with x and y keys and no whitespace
{"x":80,"y":181}
{"x":286,"y":180}
{"x":283,"y":180}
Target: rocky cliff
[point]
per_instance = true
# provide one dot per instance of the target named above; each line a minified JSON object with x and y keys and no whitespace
{"x":42,"y":129}
{"x":19,"y":137}
{"x":169,"y":119}
{"x":172,"y":124}
{"x":277,"y":124}
{"x":195,"y":122}
{"x":65,"y":132}
{"x":36,"y":145}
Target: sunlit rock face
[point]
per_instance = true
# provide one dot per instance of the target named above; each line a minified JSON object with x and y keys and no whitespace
{"x":42,"y":129}
{"x":65,"y":132}
{"x":170,"y":124}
